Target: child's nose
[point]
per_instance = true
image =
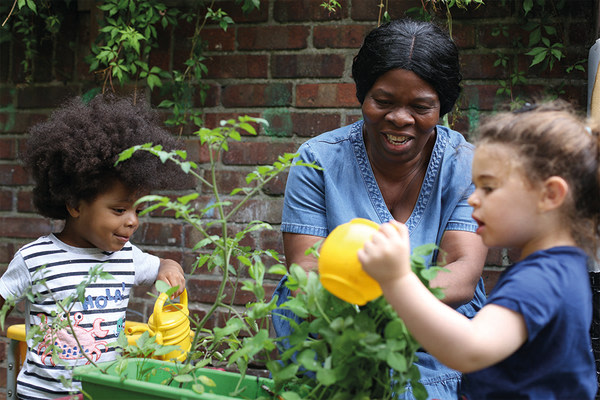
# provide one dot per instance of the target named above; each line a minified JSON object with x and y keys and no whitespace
{"x":473,"y":200}
{"x":132,"y":219}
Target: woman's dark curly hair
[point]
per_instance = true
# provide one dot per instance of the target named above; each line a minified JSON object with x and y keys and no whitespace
{"x":416,"y":46}
{"x":72,"y":155}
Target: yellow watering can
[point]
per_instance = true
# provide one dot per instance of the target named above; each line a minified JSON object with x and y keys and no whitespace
{"x":340,"y":271}
{"x":171,"y":326}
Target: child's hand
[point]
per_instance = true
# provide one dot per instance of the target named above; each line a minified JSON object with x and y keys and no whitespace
{"x":386,"y":257}
{"x":171,"y":272}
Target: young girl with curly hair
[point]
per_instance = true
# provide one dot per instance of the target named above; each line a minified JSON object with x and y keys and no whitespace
{"x":536,"y":174}
{"x":71,"y":158}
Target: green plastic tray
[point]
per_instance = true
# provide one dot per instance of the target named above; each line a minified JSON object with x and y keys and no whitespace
{"x":111,"y":386}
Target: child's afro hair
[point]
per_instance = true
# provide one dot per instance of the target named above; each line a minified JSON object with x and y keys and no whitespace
{"x":72,"y":155}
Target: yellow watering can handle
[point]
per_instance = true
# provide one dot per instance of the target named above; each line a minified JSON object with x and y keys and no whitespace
{"x":160,"y":303}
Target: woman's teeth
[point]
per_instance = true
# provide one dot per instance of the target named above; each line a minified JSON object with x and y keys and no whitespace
{"x":397,"y":139}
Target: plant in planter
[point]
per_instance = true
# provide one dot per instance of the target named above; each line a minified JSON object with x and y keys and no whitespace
{"x":338,"y":351}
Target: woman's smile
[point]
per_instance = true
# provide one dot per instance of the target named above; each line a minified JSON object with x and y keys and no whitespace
{"x":397,"y":140}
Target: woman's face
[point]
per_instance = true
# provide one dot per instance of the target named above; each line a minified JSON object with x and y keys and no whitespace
{"x":400,"y":112}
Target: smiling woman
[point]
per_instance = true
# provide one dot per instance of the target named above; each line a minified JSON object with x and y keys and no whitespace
{"x":397,"y":163}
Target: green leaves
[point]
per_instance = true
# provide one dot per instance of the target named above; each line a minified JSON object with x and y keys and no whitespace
{"x":128,"y":33}
{"x":354,"y":352}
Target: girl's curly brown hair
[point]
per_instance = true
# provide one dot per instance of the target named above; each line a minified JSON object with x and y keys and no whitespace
{"x":72,"y":155}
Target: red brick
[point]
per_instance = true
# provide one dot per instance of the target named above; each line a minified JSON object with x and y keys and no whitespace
{"x":352,"y":118}
{"x":257,"y":95}
{"x":307,"y":65}
{"x":368,"y":10}
{"x":212,"y":97}
{"x":4,"y":67}
{"x":340,"y":36}
{"x":481,"y":66}
{"x":233,"y":9}
{"x":307,"y":10}
{"x":227,"y":180}
{"x":25,"y":202}
{"x":480,"y":98}
{"x":326,"y":95}
{"x":272,"y":37}
{"x":213,"y":120}
{"x":260,"y":209}
{"x":204,"y":291}
{"x":500,"y":35}
{"x":6,"y":200}
{"x":475,"y":12}
{"x":271,"y":240}
{"x":237,"y":66}
{"x":312,"y":124}
{"x":19,"y":227}
{"x":154,"y":233}
{"x":175,"y":255}
{"x":464,"y":36}
{"x":490,"y":277}
{"x":50,"y":96}
{"x":219,"y":40}
{"x":20,"y":121}
{"x":13,"y":174}
{"x":7,"y":252}
{"x":277,"y":185}
{"x":196,"y":151}
{"x":8,"y":148}
{"x":253,"y":153}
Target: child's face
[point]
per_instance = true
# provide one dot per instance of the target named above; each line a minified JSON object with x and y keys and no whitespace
{"x":504,"y":202}
{"x":107,"y":222}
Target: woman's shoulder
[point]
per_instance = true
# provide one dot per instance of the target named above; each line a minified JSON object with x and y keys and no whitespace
{"x":454,"y":139}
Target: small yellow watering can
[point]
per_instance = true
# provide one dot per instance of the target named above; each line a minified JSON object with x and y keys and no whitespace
{"x":171,"y":326}
{"x":340,"y":271}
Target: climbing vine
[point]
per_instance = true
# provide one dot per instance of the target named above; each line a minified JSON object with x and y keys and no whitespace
{"x":129,"y":31}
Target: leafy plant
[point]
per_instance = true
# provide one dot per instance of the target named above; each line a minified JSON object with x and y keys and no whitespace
{"x":342,"y":351}
{"x":544,"y":47}
{"x":338,"y":351}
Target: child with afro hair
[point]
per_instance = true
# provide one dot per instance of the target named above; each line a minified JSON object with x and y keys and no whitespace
{"x":71,"y":158}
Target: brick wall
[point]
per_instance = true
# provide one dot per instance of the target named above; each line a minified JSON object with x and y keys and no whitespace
{"x":288,"y":62}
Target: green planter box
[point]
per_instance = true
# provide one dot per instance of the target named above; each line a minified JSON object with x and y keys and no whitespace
{"x":111,"y":386}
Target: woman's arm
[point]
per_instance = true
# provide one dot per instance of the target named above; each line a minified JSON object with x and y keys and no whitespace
{"x":463,"y":254}
{"x":294,"y":248}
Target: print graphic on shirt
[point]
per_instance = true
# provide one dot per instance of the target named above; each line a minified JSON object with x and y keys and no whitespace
{"x":69,"y":349}
{"x":100,"y":302}
{"x":120,"y":326}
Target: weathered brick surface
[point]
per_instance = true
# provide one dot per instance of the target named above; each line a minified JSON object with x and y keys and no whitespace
{"x":325,"y":95}
{"x":291,"y":37}
{"x":307,"y":66}
{"x":306,"y":10}
{"x":289,"y":63}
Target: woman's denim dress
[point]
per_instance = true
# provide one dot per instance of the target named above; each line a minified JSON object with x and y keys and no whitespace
{"x":316,"y":201}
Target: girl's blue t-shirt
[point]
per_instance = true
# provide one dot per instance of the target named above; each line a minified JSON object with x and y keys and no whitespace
{"x":551,"y":290}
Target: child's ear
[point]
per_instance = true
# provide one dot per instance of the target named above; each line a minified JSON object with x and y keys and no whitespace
{"x":73,"y":210}
{"x":554,"y":193}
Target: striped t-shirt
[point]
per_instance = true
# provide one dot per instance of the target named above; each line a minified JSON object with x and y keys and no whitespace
{"x":52,"y":269}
